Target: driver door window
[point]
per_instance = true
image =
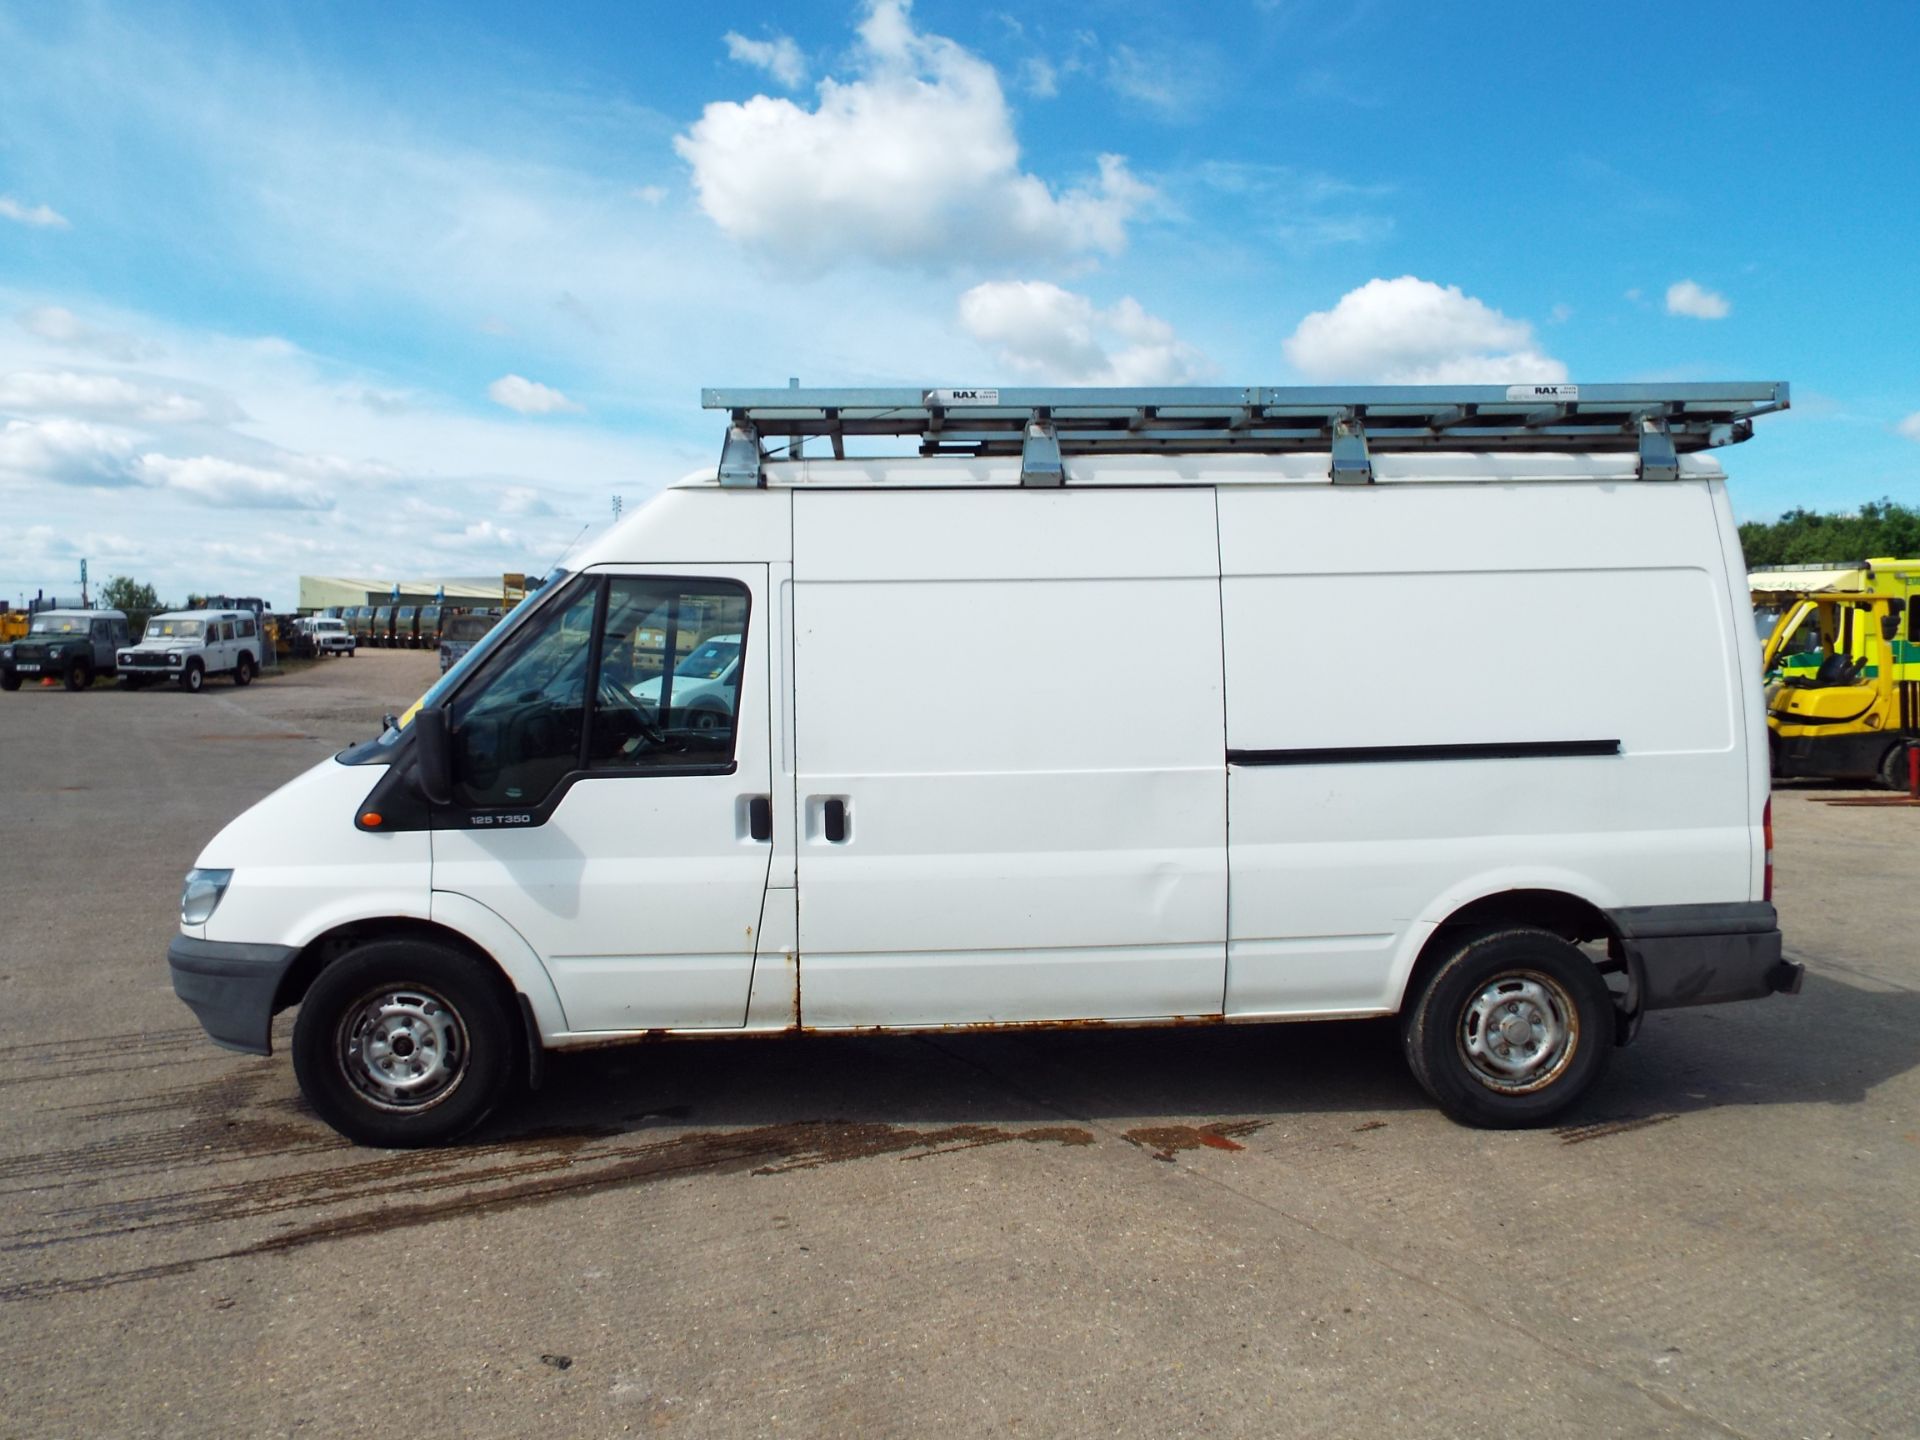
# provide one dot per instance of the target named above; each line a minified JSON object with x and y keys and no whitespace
{"x":660,"y":661}
{"x":669,"y":686}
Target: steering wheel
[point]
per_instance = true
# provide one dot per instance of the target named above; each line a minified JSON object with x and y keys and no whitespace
{"x":614,"y":696}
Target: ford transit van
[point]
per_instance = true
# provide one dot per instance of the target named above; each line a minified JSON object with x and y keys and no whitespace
{"x":1015,"y":730}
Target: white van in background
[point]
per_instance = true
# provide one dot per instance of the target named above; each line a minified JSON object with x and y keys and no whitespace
{"x":1017,"y":732}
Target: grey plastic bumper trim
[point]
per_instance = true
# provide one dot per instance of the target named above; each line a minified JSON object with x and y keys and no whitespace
{"x":1706,"y":954}
{"x":230,"y":988}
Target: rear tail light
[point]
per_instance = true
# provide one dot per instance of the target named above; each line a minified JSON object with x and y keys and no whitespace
{"x":1766,"y":831}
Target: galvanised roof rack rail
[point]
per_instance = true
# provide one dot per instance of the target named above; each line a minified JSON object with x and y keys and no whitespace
{"x":1350,"y":423}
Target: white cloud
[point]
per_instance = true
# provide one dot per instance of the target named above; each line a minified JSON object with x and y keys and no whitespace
{"x":650,"y":194}
{"x":230,"y":485}
{"x":913,"y":162}
{"x":1413,"y":332}
{"x":1685,"y":297}
{"x":529,"y":397}
{"x":1910,"y":427}
{"x":1160,"y":81}
{"x":779,"y":57}
{"x":1062,"y":337}
{"x":65,"y":452}
{"x":42,"y":216}
{"x":107,"y":397}
{"x":1038,"y":78}
{"x":522,"y":501}
{"x":59,"y":326}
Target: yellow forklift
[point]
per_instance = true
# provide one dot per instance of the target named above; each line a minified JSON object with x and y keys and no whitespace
{"x":1851,"y":718}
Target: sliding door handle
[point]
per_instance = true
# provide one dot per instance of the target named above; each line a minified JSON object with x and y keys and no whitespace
{"x":833,"y":821}
{"x":760,"y":817}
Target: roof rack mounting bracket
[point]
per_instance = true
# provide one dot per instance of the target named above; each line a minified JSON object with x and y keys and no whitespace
{"x":1658,"y":459}
{"x":740,"y":456}
{"x":1040,"y":462}
{"x":1352,"y":465}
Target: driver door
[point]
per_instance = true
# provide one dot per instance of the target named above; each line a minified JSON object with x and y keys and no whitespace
{"x":614,"y":828}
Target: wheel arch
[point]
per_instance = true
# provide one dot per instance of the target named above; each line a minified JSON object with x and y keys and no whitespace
{"x":330,"y":945}
{"x":1574,"y":918}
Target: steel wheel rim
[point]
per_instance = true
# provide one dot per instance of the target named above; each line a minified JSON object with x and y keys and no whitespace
{"x":1519,"y":1033}
{"x":402,"y":1048}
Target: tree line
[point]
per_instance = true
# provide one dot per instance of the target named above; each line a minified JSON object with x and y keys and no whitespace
{"x":1807,"y":537}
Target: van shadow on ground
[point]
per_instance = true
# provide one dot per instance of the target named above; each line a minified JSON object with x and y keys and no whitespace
{"x":1831,"y":1044}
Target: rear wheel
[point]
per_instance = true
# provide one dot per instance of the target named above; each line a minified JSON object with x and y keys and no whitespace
{"x":1893,"y":768}
{"x":1512,"y":1028}
{"x":243,"y":670}
{"x":79,"y":675}
{"x":404,"y":1043}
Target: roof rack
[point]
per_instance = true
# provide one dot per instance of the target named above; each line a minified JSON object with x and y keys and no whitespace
{"x":1350,"y":423}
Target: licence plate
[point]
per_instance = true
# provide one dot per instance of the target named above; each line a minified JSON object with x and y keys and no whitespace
{"x":28,"y":669}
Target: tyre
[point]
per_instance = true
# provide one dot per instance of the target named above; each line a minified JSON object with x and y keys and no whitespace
{"x":403,"y":1043}
{"x":1893,"y":768}
{"x":9,"y":680}
{"x":243,"y":670}
{"x":79,"y":675}
{"x":193,"y":677}
{"x":1512,"y":1028}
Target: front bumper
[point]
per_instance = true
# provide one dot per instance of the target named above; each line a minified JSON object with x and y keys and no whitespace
{"x":150,"y":664}
{"x":1705,"y":954}
{"x":230,"y":987}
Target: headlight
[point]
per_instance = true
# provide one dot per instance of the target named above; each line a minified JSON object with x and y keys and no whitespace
{"x":200,"y":895}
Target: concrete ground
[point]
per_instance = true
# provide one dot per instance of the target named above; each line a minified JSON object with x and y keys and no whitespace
{"x":1234,"y":1231}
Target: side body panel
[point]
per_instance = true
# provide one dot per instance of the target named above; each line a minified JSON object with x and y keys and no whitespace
{"x":1014,"y":700}
{"x":1470,"y":615}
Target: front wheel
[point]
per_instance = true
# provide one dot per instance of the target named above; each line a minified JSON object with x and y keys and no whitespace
{"x":79,"y":675}
{"x":403,"y":1043}
{"x":9,"y":680}
{"x":193,"y":677}
{"x":1511,"y":1029}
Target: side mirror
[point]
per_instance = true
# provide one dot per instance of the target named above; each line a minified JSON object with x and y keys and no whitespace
{"x":433,"y":755}
{"x":1889,"y":627}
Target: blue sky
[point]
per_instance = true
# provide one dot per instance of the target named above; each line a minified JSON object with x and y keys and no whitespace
{"x":314,"y":289}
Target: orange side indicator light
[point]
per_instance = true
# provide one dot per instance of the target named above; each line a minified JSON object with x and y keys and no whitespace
{"x":371,"y":819}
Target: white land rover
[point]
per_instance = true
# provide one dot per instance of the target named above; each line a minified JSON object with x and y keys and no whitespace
{"x":186,"y":646}
{"x":329,"y":636}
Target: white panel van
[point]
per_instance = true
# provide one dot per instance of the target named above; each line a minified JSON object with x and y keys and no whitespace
{"x":1106,"y":707}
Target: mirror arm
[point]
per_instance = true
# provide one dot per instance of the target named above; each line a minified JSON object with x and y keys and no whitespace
{"x":433,"y":754}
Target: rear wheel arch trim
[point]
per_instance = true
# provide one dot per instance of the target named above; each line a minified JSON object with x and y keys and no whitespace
{"x":1554,"y":908}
